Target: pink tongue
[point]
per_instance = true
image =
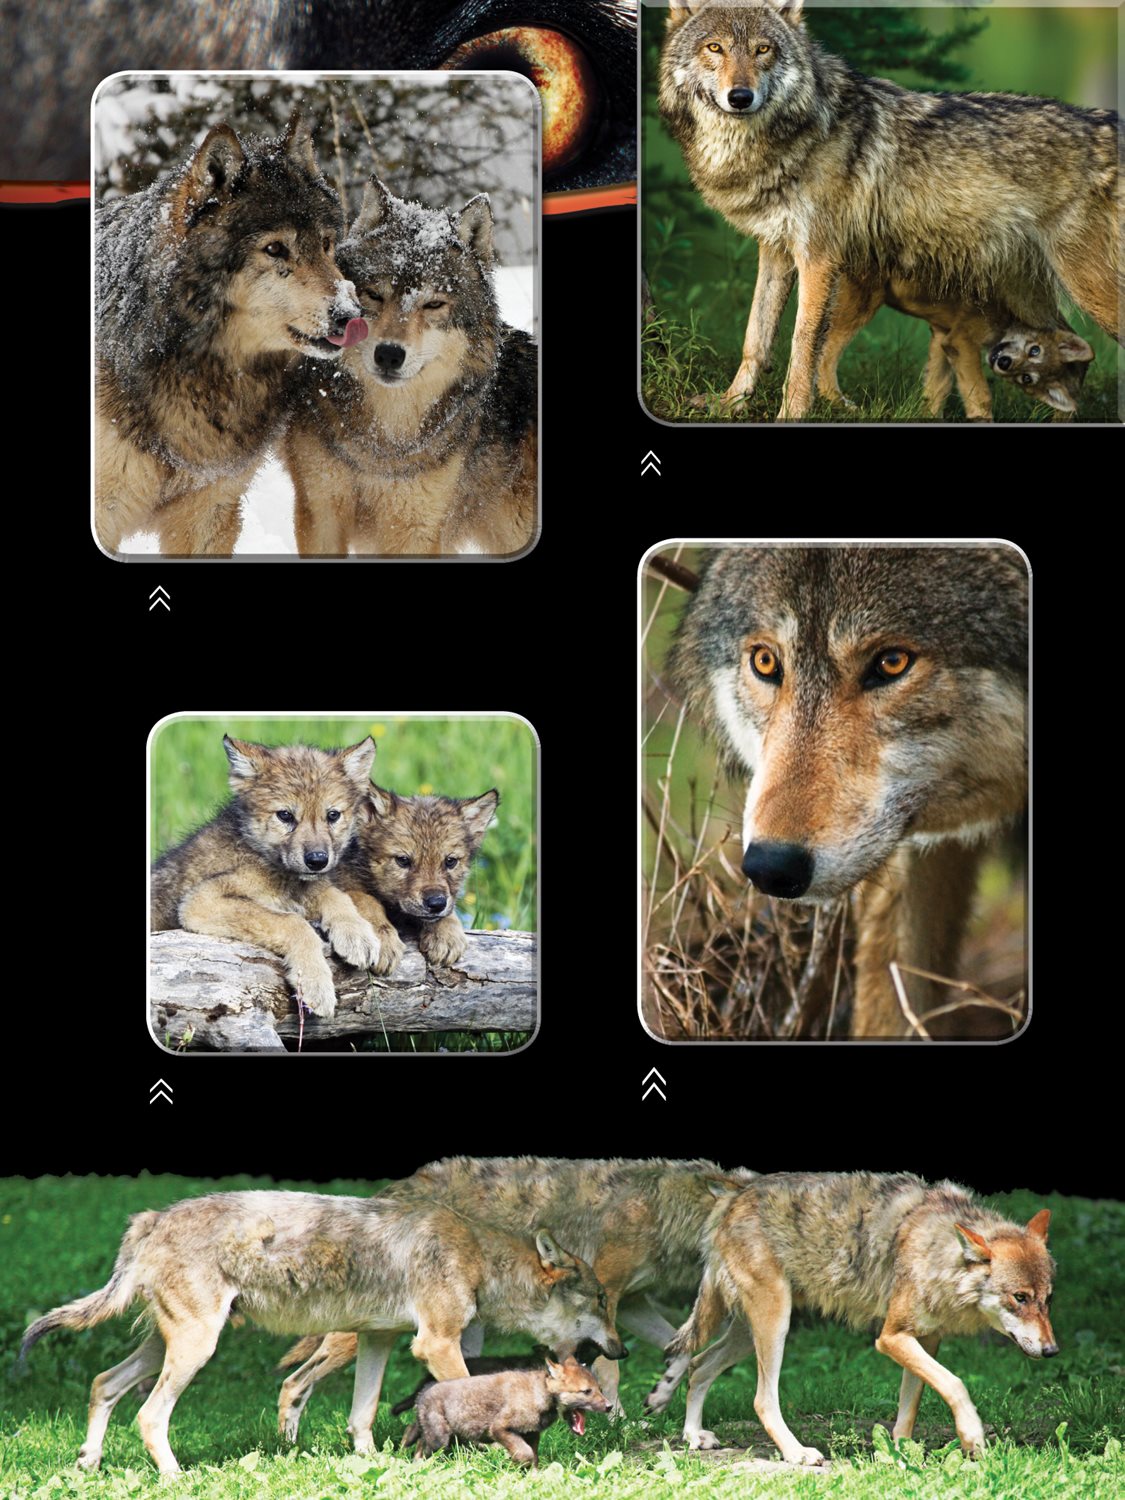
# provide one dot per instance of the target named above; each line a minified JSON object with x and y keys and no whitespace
{"x":353,"y":333}
{"x":579,"y":1423}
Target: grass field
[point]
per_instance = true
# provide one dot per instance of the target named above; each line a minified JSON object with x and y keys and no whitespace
{"x":1058,"y":1425}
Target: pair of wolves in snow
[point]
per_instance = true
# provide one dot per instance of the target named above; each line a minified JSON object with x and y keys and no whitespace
{"x":562,"y":1250}
{"x":307,"y":837}
{"x":972,"y":211}
{"x":232,"y":315}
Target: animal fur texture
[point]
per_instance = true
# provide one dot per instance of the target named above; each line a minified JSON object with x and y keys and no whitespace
{"x":412,"y":855}
{"x":427,"y":442}
{"x":262,"y":870}
{"x":638,"y":1223}
{"x":996,"y":196}
{"x":924,"y":1262}
{"x":878,"y":697}
{"x":303,"y":1263}
{"x":209,"y":286}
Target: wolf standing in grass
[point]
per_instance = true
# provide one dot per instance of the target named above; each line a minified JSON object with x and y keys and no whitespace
{"x":879,"y":697}
{"x":261,"y":870}
{"x":926,"y":1262}
{"x":993,"y":195}
{"x":210,"y":285}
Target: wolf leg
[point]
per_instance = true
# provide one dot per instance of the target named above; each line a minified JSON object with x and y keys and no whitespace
{"x":906,"y":1351}
{"x":910,"y":1393}
{"x":349,"y":932}
{"x":391,"y":946}
{"x":371,"y":1361}
{"x":439,"y":1352}
{"x":333,"y":1352}
{"x":771,"y":292}
{"x":855,"y":304}
{"x":108,"y":1389}
{"x":735,"y":1344}
{"x":205,"y":522}
{"x":518,"y":1447}
{"x":190,"y":1337}
{"x":963,"y":353}
{"x":442,"y":943}
{"x":324,"y":504}
{"x":815,"y":289}
{"x":767,"y":1303}
{"x":937,"y":381}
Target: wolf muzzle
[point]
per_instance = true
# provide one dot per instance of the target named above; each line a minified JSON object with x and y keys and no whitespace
{"x":784,"y":870}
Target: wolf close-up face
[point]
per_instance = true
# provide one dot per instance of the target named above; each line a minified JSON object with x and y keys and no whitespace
{"x":1048,"y":364}
{"x":416,"y":851}
{"x":732,"y":59}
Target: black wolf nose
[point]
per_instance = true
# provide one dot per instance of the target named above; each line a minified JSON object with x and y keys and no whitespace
{"x":1050,"y":1350}
{"x":316,"y":859}
{"x":434,"y":902}
{"x":778,"y":869}
{"x":740,"y":98}
{"x":389,"y":356}
{"x":1004,"y":362}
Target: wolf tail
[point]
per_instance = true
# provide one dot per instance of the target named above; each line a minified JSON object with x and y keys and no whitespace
{"x":411,"y":1435}
{"x":111,"y":1301}
{"x":703,"y":1321}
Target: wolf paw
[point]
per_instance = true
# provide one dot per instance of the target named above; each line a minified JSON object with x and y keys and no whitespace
{"x":355,"y":942}
{"x":801,"y":1455}
{"x":443,"y":943}
{"x":315,"y":990}
{"x":391,"y":949}
{"x":701,"y":1439}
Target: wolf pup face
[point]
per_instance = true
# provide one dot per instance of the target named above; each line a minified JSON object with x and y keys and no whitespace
{"x":1048,"y":364}
{"x":417,"y":850}
{"x":576,"y":1392}
{"x":728,"y":58}
{"x":299,"y":807}
{"x":422,"y":276}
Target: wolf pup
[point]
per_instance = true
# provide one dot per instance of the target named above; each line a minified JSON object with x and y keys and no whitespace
{"x":427,"y":441}
{"x":833,"y":173}
{"x":512,"y":1409}
{"x":879,"y":697}
{"x":1048,"y":364}
{"x":210,"y":285}
{"x":925,"y":1262}
{"x":412,"y":855}
{"x":260,"y":870}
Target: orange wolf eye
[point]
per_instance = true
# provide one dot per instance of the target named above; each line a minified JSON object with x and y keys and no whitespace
{"x":765,"y":664}
{"x":762,"y":49}
{"x":888,"y":665}
{"x":713,"y":47}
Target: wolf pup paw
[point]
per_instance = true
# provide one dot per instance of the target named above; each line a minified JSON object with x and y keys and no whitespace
{"x":356,"y":943}
{"x":315,"y":989}
{"x":391,"y":949}
{"x":443,"y":943}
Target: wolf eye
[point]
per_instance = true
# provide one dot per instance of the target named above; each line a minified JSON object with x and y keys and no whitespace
{"x":1026,"y":379}
{"x":277,"y":249}
{"x":888,"y":665}
{"x":403,"y":861}
{"x":435,"y":304}
{"x":762,"y":49}
{"x":285,"y":816}
{"x":450,"y":861}
{"x":764,"y":663}
{"x":333,"y":816}
{"x":1019,"y":1297}
{"x":713,"y":47}
{"x":1034,"y":350}
{"x":370,"y":294}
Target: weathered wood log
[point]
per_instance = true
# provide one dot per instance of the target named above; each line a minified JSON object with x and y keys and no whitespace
{"x":233,"y":996}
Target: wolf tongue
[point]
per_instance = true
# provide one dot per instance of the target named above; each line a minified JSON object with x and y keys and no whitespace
{"x":352,"y":334}
{"x":578,"y":1422}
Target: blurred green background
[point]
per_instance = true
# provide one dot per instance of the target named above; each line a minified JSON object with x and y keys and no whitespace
{"x":701,"y":271}
{"x":450,"y":757}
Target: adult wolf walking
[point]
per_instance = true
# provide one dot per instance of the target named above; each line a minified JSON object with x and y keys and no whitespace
{"x":835,"y":173}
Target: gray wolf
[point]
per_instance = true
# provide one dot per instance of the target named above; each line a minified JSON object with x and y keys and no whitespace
{"x":412,"y":855}
{"x":834,"y":172}
{"x":512,"y":1409}
{"x":925,"y":1262}
{"x":879,"y":697}
{"x":305,"y":1263}
{"x":427,"y":442}
{"x":209,"y":286}
{"x":959,"y":329}
{"x":638,"y":1223}
{"x":261,"y":870}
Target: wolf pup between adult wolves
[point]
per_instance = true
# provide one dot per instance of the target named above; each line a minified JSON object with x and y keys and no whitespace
{"x":412,"y":855}
{"x":261,"y":870}
{"x":210,"y":284}
{"x":427,"y":441}
{"x":834,"y":172}
{"x":926,"y":1262}
{"x":638,"y":1223}
{"x":513,"y":1409}
{"x":301,"y":1263}
{"x":879,"y":697}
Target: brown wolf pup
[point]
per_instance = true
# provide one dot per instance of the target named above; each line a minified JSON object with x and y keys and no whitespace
{"x":476,"y":1364}
{"x":260,"y":870}
{"x":301,"y":1263}
{"x":926,"y":1262}
{"x":512,"y":1409}
{"x":412,"y":855}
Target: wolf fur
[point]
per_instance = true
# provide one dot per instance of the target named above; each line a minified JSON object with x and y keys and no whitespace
{"x":301,"y":1263}
{"x":262,"y":870}
{"x":512,"y":1409}
{"x":637,"y":1222}
{"x":427,"y":442}
{"x":879,"y":697}
{"x":835,"y":173}
{"x":209,"y":286}
{"x":925,"y":1262}
{"x":412,"y":855}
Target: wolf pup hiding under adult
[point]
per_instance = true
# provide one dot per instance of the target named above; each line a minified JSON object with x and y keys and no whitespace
{"x":427,"y":442}
{"x":209,"y":286}
{"x":990,"y":196}
{"x":926,"y":1262}
{"x":879,"y":697}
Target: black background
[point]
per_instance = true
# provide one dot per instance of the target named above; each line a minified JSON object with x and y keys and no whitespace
{"x":553,"y":637}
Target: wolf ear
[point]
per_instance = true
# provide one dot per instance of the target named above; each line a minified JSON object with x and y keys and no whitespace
{"x":551,"y":1257}
{"x":358,"y":760}
{"x":791,"y":12}
{"x":723,"y":1187}
{"x":246,"y":759}
{"x":211,"y":173}
{"x":478,"y":813}
{"x":682,"y":10}
{"x":1074,"y":350}
{"x":1060,"y":398}
{"x":298,"y":141}
{"x":1037,"y":1226}
{"x":382,"y":803}
{"x":474,"y":227}
{"x":376,"y":207}
{"x":975,"y":1246}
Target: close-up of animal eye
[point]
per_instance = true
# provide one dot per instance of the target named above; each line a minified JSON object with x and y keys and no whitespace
{"x":451,"y":861}
{"x":762,"y":48}
{"x":333,"y":815}
{"x":1019,"y":1296}
{"x":1034,"y":351}
{"x":403,"y":861}
{"x":888,"y":665}
{"x":277,"y":249}
{"x":1027,"y":379}
{"x":764,"y":663}
{"x":714,"y":47}
{"x":369,"y":294}
{"x":285,"y":816}
{"x":434,"y":305}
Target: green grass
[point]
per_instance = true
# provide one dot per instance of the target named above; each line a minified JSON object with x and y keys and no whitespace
{"x":1058,"y":1425}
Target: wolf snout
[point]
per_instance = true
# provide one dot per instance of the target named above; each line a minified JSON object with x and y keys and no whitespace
{"x":316,"y":859}
{"x":614,"y":1349}
{"x":1049,"y":1351}
{"x":389,"y":357}
{"x":740,"y":98}
{"x":778,"y":869}
{"x":435,"y":903}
